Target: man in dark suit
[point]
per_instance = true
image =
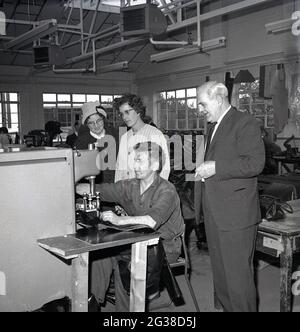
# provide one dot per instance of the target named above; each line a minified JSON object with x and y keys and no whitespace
{"x":233,"y":157}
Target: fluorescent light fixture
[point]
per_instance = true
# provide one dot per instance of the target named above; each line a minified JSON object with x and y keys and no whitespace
{"x":188,"y":50}
{"x":42,"y":30}
{"x":280,"y":26}
{"x":114,"y":67}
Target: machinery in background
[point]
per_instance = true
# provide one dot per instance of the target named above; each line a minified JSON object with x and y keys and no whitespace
{"x":291,"y":152}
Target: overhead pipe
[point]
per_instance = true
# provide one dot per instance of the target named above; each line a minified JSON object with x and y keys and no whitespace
{"x":92,"y":26}
{"x":215,"y":13}
{"x":168,"y":11}
{"x":99,"y":35}
{"x":68,"y":18}
{"x":79,"y":70}
{"x":107,"y":49}
{"x":183,"y":43}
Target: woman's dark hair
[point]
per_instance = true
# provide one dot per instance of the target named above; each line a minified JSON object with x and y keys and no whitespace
{"x":3,"y":130}
{"x":132,"y":100}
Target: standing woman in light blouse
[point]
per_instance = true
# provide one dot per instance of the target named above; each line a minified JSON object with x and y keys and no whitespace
{"x":132,"y":111}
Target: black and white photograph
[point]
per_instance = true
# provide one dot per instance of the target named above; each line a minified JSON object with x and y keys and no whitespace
{"x":149,"y":158}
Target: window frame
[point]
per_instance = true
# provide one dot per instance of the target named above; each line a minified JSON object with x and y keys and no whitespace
{"x":4,"y":102}
{"x":165,"y":96}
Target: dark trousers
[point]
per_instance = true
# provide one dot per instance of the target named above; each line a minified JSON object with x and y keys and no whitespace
{"x":231,"y":254}
{"x":101,"y":270}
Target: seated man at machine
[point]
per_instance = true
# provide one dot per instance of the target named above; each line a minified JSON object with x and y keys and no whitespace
{"x":149,"y":200}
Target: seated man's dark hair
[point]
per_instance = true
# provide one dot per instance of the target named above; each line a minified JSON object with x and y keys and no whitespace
{"x":155,"y":153}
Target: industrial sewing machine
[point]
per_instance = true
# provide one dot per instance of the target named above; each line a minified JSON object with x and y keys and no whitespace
{"x":86,"y":165}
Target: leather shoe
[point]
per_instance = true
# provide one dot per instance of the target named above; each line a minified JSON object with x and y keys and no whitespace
{"x":93,"y":305}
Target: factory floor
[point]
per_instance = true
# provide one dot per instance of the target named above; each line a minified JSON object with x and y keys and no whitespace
{"x":267,"y":275}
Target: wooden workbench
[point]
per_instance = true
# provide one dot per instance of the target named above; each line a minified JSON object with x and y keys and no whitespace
{"x":77,"y":247}
{"x":282,"y":239}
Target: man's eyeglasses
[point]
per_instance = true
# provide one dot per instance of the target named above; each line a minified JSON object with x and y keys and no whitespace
{"x":93,"y":123}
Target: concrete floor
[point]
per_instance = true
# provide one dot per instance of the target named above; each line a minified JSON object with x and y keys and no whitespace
{"x":267,"y":275}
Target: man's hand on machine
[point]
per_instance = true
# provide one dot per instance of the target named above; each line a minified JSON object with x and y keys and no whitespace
{"x":82,"y":188}
{"x":111,"y":217}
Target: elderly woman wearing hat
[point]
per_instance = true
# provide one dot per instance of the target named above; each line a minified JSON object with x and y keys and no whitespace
{"x":94,"y":131}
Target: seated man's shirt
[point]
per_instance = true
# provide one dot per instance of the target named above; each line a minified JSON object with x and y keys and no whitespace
{"x":160,"y":201}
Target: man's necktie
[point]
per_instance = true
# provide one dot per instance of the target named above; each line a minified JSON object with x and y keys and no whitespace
{"x":210,"y":132}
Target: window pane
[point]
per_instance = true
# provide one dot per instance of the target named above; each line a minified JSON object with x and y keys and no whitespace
{"x":14,"y":118}
{"x":192,"y":122}
{"x":180,"y":94}
{"x":170,"y":94}
{"x":107,"y":99}
{"x":92,"y":98}
{"x":181,"y":105}
{"x":171,"y":105}
{"x":192,"y":103}
{"x":172,"y":116}
{"x":181,"y":115}
{"x":191,"y":92}
{"x":163,"y":119}
{"x":13,"y":108}
{"x":14,"y":127}
{"x":49,"y":97}
{"x":181,"y":124}
{"x":78,"y":98}
{"x":163,"y":95}
{"x":13,"y":97}
{"x":63,"y":97}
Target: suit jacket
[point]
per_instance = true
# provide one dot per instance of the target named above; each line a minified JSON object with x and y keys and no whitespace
{"x":238,"y":150}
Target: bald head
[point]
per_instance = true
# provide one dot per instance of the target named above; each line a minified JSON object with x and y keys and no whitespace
{"x":213,"y":100}
{"x":214,"y":89}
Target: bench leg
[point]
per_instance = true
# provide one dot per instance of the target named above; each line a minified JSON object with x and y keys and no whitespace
{"x":80,"y":276}
{"x":286,"y":264}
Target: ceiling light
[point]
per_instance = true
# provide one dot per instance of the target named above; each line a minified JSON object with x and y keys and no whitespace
{"x":188,"y":50}
{"x":280,"y":26}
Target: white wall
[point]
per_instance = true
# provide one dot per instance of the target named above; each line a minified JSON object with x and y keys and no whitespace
{"x":248,"y":46}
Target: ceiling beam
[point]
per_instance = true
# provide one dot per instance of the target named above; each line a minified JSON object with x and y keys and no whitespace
{"x":92,"y":6}
{"x":104,"y":50}
{"x":218,"y":12}
{"x":44,"y":29}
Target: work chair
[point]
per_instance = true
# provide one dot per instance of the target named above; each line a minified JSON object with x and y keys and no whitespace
{"x":183,"y":262}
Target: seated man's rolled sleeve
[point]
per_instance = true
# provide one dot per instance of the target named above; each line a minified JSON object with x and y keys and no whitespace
{"x":162,"y":208}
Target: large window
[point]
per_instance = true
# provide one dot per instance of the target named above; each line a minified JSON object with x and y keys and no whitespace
{"x":9,"y":111}
{"x":250,"y":102}
{"x":66,"y":108}
{"x":177,"y":110}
